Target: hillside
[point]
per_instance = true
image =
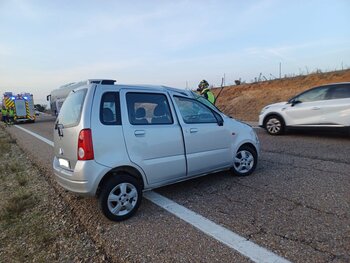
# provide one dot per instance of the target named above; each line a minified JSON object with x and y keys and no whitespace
{"x":245,"y":101}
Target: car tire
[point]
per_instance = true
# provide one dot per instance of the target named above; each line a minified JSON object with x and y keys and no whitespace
{"x":245,"y":161}
{"x":274,"y":125}
{"x":120,"y":197}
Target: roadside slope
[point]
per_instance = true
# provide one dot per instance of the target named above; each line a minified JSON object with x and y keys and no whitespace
{"x":244,"y":102}
{"x":36,"y":224}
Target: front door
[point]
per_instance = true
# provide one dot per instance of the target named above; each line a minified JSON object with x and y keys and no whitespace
{"x":308,"y":107}
{"x":207,"y":143}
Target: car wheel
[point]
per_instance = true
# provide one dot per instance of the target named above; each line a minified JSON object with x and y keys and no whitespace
{"x":274,"y":125}
{"x":245,"y":161}
{"x":120,"y":197}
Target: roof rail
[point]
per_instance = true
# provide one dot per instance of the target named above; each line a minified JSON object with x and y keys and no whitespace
{"x":102,"y":81}
{"x":72,"y":85}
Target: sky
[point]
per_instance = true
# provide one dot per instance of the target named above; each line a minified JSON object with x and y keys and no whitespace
{"x":46,"y":44}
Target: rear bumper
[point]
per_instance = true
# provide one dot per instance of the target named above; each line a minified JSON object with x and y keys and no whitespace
{"x":83,"y":180}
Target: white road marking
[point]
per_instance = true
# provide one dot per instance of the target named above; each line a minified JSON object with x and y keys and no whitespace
{"x":35,"y":135}
{"x":225,"y":236}
{"x":242,"y":245}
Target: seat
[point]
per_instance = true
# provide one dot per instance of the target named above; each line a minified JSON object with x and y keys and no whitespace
{"x":159,"y":115}
{"x":140,"y":116}
{"x":108,"y":115}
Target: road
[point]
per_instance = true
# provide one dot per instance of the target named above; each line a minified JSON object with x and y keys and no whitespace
{"x":295,"y":205}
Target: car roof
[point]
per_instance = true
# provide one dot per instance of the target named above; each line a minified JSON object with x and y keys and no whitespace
{"x":153,"y":87}
{"x":146,"y":87}
{"x":336,"y":83}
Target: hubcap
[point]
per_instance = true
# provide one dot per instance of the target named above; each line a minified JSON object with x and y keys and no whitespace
{"x":122,"y":199}
{"x":244,"y":161}
{"x":273,"y":125}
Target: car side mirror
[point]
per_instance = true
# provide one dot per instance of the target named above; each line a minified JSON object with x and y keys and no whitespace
{"x":294,"y":102}
{"x":219,"y":119}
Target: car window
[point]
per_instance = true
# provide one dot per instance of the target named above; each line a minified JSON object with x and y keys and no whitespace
{"x":204,"y":101}
{"x":148,"y":109}
{"x":340,"y":92}
{"x":193,"y":111}
{"x":70,"y":112}
{"x":313,"y":95}
{"x":110,"y":109}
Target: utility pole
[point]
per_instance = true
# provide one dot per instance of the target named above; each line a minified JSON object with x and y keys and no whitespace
{"x":280,"y":69}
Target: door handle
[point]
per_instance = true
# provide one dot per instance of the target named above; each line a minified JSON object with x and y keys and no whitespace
{"x":140,"y":133}
{"x":193,"y":130}
{"x":59,"y":129}
{"x":315,"y":108}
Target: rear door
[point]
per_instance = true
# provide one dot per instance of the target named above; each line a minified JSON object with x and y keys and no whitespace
{"x":153,"y":135}
{"x":337,"y":109}
{"x":67,"y":128}
{"x":207,"y":139}
{"x":20,"y":108}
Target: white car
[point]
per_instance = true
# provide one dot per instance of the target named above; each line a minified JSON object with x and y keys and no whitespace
{"x":326,"y":106}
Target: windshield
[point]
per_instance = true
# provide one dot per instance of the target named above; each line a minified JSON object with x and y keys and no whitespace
{"x":204,"y":101}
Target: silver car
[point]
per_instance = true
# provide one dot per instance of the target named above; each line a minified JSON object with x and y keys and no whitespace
{"x":115,"y":141}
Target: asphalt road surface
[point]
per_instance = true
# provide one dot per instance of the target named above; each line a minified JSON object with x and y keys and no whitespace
{"x":296,"y":205}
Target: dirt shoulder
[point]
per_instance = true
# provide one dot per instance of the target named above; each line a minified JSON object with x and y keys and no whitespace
{"x":36,"y":225}
{"x":244,"y":102}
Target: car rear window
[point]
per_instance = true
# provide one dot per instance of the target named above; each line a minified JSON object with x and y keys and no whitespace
{"x":70,"y":112}
{"x":340,"y":92}
{"x":110,"y":109}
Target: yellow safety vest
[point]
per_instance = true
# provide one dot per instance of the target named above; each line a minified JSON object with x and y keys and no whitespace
{"x":4,"y":112}
{"x":11,"y":113}
{"x":208,"y":95}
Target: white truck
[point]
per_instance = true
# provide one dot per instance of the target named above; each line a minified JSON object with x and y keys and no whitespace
{"x":58,"y":96}
{"x":22,"y":105}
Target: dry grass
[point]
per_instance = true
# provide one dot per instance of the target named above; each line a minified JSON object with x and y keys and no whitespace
{"x":244,"y":102}
{"x":35,"y":224}
{"x":17,"y":204}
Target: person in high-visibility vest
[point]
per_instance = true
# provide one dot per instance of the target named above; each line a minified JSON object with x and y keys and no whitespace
{"x":11,"y":116}
{"x":4,"y":114}
{"x":203,"y":89}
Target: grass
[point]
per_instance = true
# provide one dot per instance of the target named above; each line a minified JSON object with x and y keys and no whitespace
{"x":21,"y":179}
{"x":23,"y":220}
{"x":14,"y":167}
{"x":17,"y":204}
{"x":5,"y":146}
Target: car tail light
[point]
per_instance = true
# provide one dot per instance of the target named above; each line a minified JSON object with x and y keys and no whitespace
{"x":85,"y":149}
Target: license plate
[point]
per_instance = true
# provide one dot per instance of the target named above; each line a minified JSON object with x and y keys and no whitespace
{"x":64,"y":163}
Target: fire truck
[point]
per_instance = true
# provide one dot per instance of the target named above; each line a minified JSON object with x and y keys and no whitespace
{"x":22,"y":104}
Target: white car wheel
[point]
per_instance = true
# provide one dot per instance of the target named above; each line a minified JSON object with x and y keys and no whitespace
{"x":274,"y":125}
